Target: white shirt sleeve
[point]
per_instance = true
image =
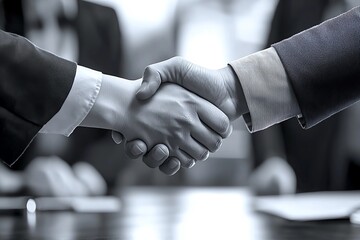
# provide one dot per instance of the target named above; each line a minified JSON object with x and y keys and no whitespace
{"x":267,"y":91}
{"x":81,"y":98}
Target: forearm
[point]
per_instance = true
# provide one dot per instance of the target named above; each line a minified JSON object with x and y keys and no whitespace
{"x":102,"y":114}
{"x":311,"y":75}
{"x":33,"y":88}
{"x":110,"y":106}
{"x":34,"y":82}
{"x":81,"y":98}
{"x":323,"y":66}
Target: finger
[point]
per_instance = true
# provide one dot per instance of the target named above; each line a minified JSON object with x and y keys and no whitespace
{"x":135,"y":148}
{"x":207,"y":137}
{"x":195,"y":150}
{"x":214,"y":118}
{"x":156,"y":156}
{"x":170,"y":166}
{"x":150,"y":84}
{"x":186,"y":160}
{"x":117,"y":137}
{"x":230,"y":130}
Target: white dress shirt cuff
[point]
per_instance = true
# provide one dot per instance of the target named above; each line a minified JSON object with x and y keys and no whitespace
{"x":81,"y":98}
{"x":268,"y":94}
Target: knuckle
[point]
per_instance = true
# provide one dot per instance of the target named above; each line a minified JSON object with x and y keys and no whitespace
{"x":181,"y":66}
{"x":224,"y":124}
{"x":147,"y":71}
{"x":150,"y":72}
{"x":150,"y":68}
{"x":187,"y":121}
{"x":177,"y":60}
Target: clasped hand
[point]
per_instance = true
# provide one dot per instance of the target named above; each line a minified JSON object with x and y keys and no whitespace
{"x":220,"y":87}
{"x":179,"y":126}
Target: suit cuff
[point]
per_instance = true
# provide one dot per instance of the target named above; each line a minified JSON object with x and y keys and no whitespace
{"x":81,"y":98}
{"x":267,"y":91}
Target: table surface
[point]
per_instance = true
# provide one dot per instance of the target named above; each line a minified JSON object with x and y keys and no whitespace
{"x":171,"y":214}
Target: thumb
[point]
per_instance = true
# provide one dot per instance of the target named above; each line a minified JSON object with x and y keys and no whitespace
{"x":150,"y":84}
{"x":117,"y":137}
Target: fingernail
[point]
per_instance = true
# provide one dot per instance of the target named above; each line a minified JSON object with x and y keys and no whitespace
{"x":116,"y":137}
{"x":204,"y":156}
{"x":136,"y":150}
{"x":141,"y":89}
{"x":190,"y":163}
{"x":159,"y":154}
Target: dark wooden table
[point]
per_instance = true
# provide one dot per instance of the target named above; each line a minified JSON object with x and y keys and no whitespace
{"x":170,"y":214}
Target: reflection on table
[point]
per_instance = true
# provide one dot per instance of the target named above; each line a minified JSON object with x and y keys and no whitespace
{"x":171,"y":214}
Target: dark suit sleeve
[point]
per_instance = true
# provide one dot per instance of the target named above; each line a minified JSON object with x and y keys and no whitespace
{"x":33,"y":86}
{"x":323,"y":66}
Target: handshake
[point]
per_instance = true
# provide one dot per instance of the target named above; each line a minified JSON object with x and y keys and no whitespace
{"x":174,"y":117}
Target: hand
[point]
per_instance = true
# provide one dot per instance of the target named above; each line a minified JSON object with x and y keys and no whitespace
{"x":11,"y":182}
{"x":274,"y":177}
{"x":187,"y":124}
{"x":221,"y":87}
{"x":181,"y":120}
{"x":52,"y":176}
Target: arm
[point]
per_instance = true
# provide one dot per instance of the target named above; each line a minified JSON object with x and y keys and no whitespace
{"x":323,"y":66}
{"x":255,"y":86}
{"x":38,"y":93}
{"x":27,"y":98}
{"x":230,"y":88}
{"x":221,"y":87}
{"x":187,"y":124}
{"x":311,"y":75}
{"x":317,"y":59}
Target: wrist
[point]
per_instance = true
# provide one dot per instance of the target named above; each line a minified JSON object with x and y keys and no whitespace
{"x":101,"y":114}
{"x":235,"y":90}
{"x":112,"y":103}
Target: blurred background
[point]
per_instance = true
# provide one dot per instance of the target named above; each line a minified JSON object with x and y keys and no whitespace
{"x":122,"y":37}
